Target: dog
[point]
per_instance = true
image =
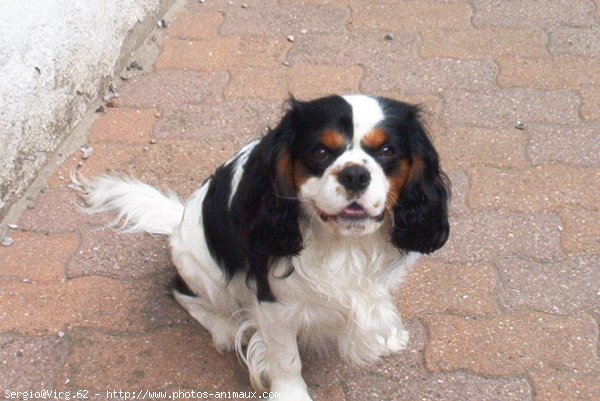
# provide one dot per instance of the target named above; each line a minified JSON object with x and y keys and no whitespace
{"x":298,"y":240}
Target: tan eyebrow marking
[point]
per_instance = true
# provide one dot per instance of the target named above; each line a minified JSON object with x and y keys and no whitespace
{"x":375,"y":139}
{"x":333,"y":140}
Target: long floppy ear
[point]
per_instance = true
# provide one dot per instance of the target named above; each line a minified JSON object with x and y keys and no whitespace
{"x":421,"y":212}
{"x":268,"y":221}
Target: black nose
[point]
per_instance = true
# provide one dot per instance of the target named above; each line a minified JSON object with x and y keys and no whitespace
{"x":354,"y":178}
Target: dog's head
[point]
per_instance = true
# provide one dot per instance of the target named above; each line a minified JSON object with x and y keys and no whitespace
{"x":349,"y":163}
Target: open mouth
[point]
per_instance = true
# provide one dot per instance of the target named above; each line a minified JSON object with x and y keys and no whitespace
{"x":353,"y":211}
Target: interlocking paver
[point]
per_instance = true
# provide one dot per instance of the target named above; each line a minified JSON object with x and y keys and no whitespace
{"x":581,"y":229}
{"x":190,"y":25}
{"x":527,"y":14}
{"x":173,"y":359}
{"x":274,"y":20}
{"x":542,"y":188}
{"x":105,"y":252}
{"x":29,"y":363}
{"x":590,"y":108}
{"x":172,"y":87}
{"x":557,"y":73}
{"x":547,"y":144}
{"x":471,"y":146}
{"x":467,"y":290}
{"x":484,"y":43}
{"x":40,"y":264}
{"x":410,"y":16}
{"x":487,"y":235}
{"x":504,"y":108}
{"x":509,"y":309}
{"x":82,"y":302}
{"x":564,"y":287}
{"x":576,"y":41}
{"x":511,"y":344}
{"x":124,"y":125}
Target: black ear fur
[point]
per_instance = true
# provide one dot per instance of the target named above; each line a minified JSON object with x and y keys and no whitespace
{"x":267,"y":208}
{"x":421,"y":213}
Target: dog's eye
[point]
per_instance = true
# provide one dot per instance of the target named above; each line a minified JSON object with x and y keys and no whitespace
{"x":386,"y":151}
{"x":320,"y":152}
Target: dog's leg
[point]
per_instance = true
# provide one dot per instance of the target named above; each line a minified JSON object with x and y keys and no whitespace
{"x":278,"y":330}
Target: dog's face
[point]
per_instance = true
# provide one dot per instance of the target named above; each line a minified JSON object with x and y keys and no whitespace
{"x":350,"y":158}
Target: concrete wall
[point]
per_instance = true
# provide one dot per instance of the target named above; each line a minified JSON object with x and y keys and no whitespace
{"x":56,"y":58}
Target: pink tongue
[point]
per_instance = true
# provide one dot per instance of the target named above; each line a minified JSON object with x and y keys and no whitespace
{"x":355,"y":212}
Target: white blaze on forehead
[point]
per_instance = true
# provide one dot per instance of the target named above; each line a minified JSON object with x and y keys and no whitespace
{"x":366,"y":114}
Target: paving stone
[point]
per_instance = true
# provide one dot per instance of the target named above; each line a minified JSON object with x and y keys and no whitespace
{"x":457,"y":386}
{"x":353,"y":48}
{"x":82,"y":302}
{"x":124,"y":125}
{"x":541,"y":188}
{"x":160,"y":310}
{"x":330,"y":393}
{"x":191,"y":25}
{"x":560,"y":72}
{"x":57,"y":210}
{"x":225,"y":6}
{"x":29,"y":363}
{"x":37,"y":257}
{"x":233,"y":121}
{"x":460,"y":187}
{"x":502,"y":109}
{"x":511,"y":344}
{"x":471,"y":146}
{"x":311,"y":81}
{"x":563,"y":287}
{"x":436,"y":287}
{"x":526,"y":14}
{"x":590,"y":108}
{"x":256,"y":82}
{"x":484,"y":236}
{"x":281,"y":21}
{"x":164,"y":89}
{"x":261,"y":51}
{"x":173,"y":359}
{"x":577,"y":145}
{"x":576,"y":41}
{"x":105,"y":252}
{"x":410,"y":16}
{"x":199,"y":55}
{"x":566,"y":386}
{"x":581,"y":233}
{"x":484,"y":43}
{"x":434,"y":76}
{"x":302,"y":81}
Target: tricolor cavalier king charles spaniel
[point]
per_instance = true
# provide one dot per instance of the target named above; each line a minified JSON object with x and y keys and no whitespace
{"x":299,"y":239}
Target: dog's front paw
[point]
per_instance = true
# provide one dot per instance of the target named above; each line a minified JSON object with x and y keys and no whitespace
{"x":397,"y":340}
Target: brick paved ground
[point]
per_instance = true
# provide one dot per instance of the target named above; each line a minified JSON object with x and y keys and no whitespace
{"x":508,"y":310}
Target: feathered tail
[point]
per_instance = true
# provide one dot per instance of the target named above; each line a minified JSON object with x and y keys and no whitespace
{"x":140,"y":207}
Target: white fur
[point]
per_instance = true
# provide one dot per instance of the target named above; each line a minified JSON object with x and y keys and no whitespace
{"x":338,"y":295}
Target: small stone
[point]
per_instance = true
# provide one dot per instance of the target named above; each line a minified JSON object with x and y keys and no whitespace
{"x":7,"y":241}
{"x":106,"y":98}
{"x":31,"y":206}
{"x":13,"y":226}
{"x":86,"y":152}
{"x":110,"y":104}
{"x":304,"y":31}
{"x":100,"y":109}
{"x":388,"y":36}
{"x":157,"y":114}
{"x":162,"y":23}
{"x":80,"y":164}
{"x":133,"y":65}
{"x":125,"y":77}
{"x":290,"y":38}
{"x":244,"y":5}
{"x":61,"y":334}
{"x":520,"y":125}
{"x":286,"y":63}
{"x":153,"y":141}
{"x":25,"y":280}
